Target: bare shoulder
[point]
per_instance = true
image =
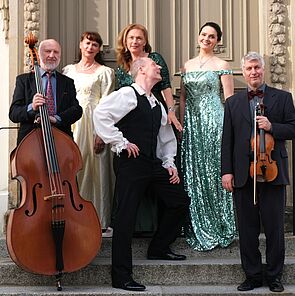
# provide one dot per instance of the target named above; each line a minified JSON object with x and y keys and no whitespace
{"x":221,"y":64}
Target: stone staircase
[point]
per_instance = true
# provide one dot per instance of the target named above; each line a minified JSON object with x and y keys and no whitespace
{"x":216,"y":272}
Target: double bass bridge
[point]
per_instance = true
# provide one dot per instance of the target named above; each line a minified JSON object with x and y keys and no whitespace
{"x":55,"y":196}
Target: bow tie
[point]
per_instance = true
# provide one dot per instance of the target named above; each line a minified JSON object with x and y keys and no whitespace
{"x":258,"y":93}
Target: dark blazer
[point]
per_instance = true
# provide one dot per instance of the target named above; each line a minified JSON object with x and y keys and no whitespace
{"x":236,"y":138}
{"x":68,"y":108}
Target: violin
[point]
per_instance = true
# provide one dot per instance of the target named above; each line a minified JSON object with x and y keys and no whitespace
{"x":263,"y":168}
{"x":54,"y":230}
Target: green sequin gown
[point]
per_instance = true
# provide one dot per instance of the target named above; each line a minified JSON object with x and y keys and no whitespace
{"x":212,"y":220}
{"x":147,"y":215}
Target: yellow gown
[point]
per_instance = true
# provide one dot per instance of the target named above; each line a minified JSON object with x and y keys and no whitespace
{"x":96,"y":179}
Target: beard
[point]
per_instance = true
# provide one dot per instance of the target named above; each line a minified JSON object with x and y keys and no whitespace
{"x":50,"y":66}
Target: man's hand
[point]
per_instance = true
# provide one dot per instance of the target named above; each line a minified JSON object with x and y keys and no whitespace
{"x":52,"y":119}
{"x":38,"y":100}
{"x":174,"y":179}
{"x":98,"y":145}
{"x":228,"y":182}
{"x":132,"y":150}
{"x":263,"y":123}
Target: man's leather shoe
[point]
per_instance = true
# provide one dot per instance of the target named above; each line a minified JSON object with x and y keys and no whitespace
{"x":276,"y":285}
{"x":248,"y":285}
{"x":130,"y":286}
{"x":166,"y":256}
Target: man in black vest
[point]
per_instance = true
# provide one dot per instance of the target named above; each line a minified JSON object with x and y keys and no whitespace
{"x":134,"y":122}
{"x":278,"y":120}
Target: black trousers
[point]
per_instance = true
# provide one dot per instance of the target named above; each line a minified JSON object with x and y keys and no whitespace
{"x":134,"y":176}
{"x":270,"y":211}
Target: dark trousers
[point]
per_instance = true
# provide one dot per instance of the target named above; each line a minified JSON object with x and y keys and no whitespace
{"x":134,"y":176}
{"x":270,"y":211}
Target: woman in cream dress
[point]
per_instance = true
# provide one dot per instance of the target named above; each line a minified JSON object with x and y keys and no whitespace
{"x":93,"y":81}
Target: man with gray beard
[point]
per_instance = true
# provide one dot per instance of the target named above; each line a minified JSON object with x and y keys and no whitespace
{"x":26,"y":101}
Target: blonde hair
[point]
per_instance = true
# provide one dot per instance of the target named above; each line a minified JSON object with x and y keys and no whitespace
{"x":124,"y":57}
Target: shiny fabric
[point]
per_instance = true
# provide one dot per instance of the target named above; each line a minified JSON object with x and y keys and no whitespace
{"x":212,"y":221}
{"x":96,"y":180}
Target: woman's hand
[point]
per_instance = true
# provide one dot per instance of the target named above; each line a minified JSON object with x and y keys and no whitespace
{"x":168,"y":97}
{"x":98,"y":145}
{"x":172,"y":119}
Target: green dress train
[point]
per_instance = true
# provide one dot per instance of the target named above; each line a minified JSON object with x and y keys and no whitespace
{"x":147,"y":215}
{"x":212,"y":219}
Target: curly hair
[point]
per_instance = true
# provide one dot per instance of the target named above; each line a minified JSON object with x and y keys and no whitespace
{"x":124,"y":57}
{"x":93,"y":36}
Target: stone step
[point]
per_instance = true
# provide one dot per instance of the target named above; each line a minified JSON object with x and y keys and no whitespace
{"x":140,"y":246}
{"x":216,"y":272}
{"x":199,"y":290}
{"x":193,"y":271}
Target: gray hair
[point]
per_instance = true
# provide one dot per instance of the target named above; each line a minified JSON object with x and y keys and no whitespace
{"x":136,"y":65}
{"x":251,"y":56}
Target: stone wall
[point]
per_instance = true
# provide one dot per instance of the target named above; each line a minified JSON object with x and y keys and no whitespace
{"x":31,"y":24}
{"x":278,"y":36}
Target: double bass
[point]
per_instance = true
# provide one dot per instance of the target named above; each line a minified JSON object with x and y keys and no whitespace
{"x":53,"y":230}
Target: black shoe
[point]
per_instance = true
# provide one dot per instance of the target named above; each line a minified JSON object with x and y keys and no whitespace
{"x":276,"y":285}
{"x":130,"y":286}
{"x":248,"y":285}
{"x":166,"y":256}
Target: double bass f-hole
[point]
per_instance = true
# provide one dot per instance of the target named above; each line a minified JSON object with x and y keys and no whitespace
{"x":263,"y":168}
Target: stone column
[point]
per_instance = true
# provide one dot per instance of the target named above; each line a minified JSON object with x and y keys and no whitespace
{"x":279,"y":61}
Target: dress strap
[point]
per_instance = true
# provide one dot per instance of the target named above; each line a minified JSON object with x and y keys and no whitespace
{"x":225,"y":72}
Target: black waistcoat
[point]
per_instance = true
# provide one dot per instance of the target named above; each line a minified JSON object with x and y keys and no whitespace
{"x":141,"y":126}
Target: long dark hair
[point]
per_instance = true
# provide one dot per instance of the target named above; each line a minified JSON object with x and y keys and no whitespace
{"x":93,"y":36}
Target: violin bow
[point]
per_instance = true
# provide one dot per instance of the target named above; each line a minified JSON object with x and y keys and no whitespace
{"x":255,"y":158}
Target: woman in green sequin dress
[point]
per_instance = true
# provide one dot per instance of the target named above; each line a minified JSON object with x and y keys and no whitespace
{"x":133,"y":43}
{"x":212,"y":220}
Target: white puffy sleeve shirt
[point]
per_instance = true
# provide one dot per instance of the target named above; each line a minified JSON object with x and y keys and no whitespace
{"x":112,"y":108}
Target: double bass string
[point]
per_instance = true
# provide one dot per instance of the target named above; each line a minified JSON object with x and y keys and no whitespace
{"x":51,"y":156}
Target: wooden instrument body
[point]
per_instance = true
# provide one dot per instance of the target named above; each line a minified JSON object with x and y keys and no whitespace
{"x":29,"y":235}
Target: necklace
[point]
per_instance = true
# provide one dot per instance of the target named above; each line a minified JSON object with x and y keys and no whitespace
{"x":83,"y":68}
{"x":203,"y":63}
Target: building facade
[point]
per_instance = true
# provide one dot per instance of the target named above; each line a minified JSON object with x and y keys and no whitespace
{"x":173,"y":25}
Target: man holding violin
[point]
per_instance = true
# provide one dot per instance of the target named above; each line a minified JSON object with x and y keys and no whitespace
{"x":278,"y":121}
{"x":26,"y":101}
